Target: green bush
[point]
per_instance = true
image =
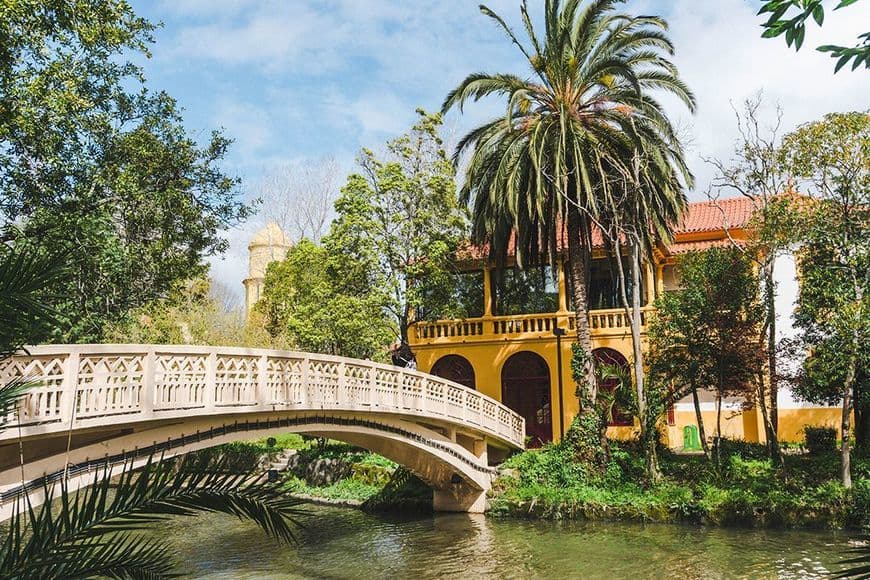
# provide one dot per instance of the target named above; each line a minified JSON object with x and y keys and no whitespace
{"x":820,"y":440}
{"x":745,"y":449}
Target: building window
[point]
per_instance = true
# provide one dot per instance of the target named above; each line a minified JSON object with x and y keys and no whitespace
{"x":454,"y":368}
{"x":531,"y":291}
{"x":607,"y":358}
{"x":604,"y":284}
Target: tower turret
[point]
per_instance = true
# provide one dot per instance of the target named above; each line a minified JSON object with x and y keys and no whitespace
{"x":267,"y":245}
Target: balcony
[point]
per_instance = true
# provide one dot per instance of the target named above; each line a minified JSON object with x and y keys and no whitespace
{"x":603,"y":323}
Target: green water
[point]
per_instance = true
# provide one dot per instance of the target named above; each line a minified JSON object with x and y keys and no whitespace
{"x":342,"y":543}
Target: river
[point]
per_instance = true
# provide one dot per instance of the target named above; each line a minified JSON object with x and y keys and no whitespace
{"x":345,"y":543}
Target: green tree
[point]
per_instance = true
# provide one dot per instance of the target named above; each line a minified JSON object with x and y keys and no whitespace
{"x":831,"y":157}
{"x":96,"y":166}
{"x":793,"y":24}
{"x":756,"y":174}
{"x":316,"y":303}
{"x":705,"y":335}
{"x":552,"y":166}
{"x":399,"y":216}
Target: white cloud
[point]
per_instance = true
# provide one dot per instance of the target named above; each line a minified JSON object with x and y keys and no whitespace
{"x":351,"y":72}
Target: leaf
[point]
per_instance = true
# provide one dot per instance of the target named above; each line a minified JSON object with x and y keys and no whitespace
{"x":844,"y":3}
{"x":799,"y":37}
{"x":819,"y":14}
{"x":842,"y":62}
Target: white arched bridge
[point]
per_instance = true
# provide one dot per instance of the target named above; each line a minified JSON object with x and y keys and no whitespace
{"x":98,"y":405}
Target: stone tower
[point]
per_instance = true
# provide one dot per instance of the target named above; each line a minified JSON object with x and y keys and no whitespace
{"x":267,"y":245}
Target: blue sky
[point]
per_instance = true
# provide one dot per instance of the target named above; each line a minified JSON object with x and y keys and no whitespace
{"x":297,"y":80}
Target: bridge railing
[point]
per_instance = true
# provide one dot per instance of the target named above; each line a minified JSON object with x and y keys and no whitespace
{"x":87,"y":384}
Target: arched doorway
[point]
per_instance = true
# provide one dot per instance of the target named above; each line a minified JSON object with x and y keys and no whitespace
{"x":613,"y":358}
{"x":454,"y":368}
{"x":525,"y":388}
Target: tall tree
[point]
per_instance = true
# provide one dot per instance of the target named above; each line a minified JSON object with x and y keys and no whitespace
{"x":705,"y":335}
{"x":95,"y":165}
{"x":402,"y":212}
{"x":831,"y":157}
{"x":543,"y":172}
{"x":756,"y":173}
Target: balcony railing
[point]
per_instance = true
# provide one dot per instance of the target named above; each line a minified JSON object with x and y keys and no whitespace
{"x":602,"y":323}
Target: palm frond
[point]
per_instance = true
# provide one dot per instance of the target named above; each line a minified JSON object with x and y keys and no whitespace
{"x":97,"y":529}
{"x":27,"y":278}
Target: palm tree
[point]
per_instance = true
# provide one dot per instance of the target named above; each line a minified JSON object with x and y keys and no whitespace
{"x":563,"y":158}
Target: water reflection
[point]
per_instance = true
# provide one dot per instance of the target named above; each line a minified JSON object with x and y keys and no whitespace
{"x":348,"y":544}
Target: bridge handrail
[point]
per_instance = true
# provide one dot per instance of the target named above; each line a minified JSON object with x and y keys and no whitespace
{"x":94,"y":381}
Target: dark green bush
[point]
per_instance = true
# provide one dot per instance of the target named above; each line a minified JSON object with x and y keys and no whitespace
{"x":820,"y":439}
{"x":745,"y":449}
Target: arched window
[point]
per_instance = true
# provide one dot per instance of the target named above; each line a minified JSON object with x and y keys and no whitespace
{"x":612,"y":358}
{"x":454,"y":368}
{"x":525,"y":388}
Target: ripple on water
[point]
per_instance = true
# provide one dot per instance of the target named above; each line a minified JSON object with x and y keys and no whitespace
{"x":339,"y":543}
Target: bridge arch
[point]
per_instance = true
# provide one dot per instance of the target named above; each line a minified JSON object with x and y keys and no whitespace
{"x":121,"y":403}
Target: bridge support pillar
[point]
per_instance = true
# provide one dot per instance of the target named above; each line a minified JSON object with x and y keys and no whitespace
{"x":459,"y":499}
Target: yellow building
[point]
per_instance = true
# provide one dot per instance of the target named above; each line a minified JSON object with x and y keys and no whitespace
{"x":509,"y":349}
{"x":267,"y":245}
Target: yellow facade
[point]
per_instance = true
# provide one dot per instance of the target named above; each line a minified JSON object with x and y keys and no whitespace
{"x":488,"y":342}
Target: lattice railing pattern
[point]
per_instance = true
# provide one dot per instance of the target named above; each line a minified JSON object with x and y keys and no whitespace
{"x":87,"y":384}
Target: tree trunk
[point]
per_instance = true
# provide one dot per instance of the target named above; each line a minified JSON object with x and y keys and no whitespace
{"x":587,"y":385}
{"x":578,"y":267}
{"x":845,"y":446}
{"x":771,"y":423}
{"x":702,"y":434}
{"x":647,"y":424}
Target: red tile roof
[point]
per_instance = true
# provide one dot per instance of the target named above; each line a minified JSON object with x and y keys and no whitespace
{"x":700,"y":217}
{"x":712,"y":216}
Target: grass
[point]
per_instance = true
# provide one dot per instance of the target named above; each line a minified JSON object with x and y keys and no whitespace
{"x":745,"y":490}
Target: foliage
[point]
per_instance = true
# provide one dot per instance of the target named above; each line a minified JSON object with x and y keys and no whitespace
{"x":578,"y":137}
{"x":794,"y":28}
{"x":820,"y":439}
{"x":832,"y":158}
{"x":748,"y":489}
{"x":399,"y":215}
{"x":705,"y":335}
{"x":27,"y":281}
{"x":317,"y":301}
{"x":96,"y":530}
{"x":197,"y":311}
{"x":98,"y":168}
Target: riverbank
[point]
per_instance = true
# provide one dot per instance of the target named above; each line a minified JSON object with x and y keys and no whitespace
{"x":546,"y":483}
{"x":745,"y":491}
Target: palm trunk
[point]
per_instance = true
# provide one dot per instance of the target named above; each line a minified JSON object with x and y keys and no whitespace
{"x":587,"y":386}
{"x":578,"y":267}
{"x":702,"y":433}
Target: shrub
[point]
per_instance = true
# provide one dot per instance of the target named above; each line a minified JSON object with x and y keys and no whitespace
{"x":745,"y":449}
{"x":820,"y":439}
